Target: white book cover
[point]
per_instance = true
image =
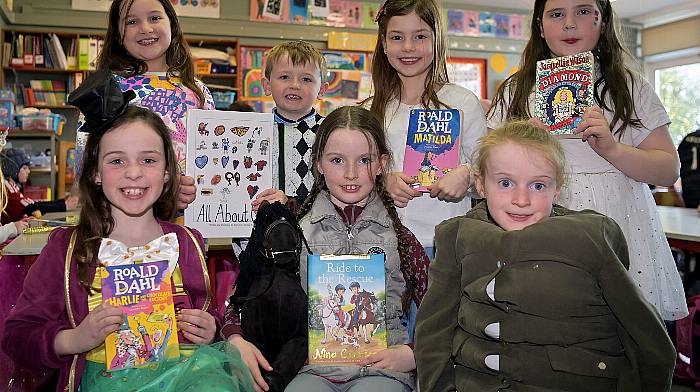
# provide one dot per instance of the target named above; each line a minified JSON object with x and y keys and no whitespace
{"x":229,"y":156}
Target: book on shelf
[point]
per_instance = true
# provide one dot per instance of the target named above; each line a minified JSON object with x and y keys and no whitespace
{"x":148,"y":333}
{"x":432,"y":145}
{"x":564,"y":90}
{"x":347,"y":308}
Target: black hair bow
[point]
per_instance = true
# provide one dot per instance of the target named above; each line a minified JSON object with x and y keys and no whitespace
{"x":100,"y":100}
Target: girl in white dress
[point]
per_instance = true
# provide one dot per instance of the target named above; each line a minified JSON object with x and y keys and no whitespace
{"x":624,"y":141}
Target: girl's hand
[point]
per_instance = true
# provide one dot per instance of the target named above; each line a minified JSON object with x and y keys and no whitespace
{"x":91,"y":332}
{"x":595,"y":130}
{"x":270,"y":195}
{"x":397,"y":358}
{"x":452,"y":186}
{"x":198,"y":326}
{"x":396,"y":184}
{"x":187,"y":192}
{"x":22,"y":224}
{"x":253,"y":359}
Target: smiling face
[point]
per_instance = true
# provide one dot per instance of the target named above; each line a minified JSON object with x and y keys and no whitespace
{"x":294,"y":88}
{"x":350,"y":166}
{"x":146,"y":33}
{"x":571,"y":26}
{"x":519,"y":185}
{"x":409,"y":46}
{"x":131,"y":169}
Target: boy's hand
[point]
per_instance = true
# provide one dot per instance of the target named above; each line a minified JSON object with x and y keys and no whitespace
{"x":396,"y":184}
{"x":198,"y":326}
{"x":187,"y":192}
{"x":270,"y":195}
{"x":91,"y":332}
{"x":595,"y":130}
{"x":452,"y":186}
{"x":253,"y":359}
{"x":397,"y":358}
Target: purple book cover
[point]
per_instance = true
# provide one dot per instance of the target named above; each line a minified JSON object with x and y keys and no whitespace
{"x":432,"y":145}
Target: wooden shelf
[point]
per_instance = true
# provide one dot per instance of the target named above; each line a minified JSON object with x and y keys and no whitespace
{"x":42,"y":70}
{"x":42,"y":170}
{"x":29,"y":133}
{"x":57,"y":107}
{"x":218,"y":75}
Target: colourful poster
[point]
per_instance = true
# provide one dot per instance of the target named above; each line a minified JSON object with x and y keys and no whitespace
{"x":269,"y":10}
{"x":298,"y":11}
{"x":502,"y":25}
{"x":231,"y":166}
{"x":516,"y":27}
{"x":196,"y":8}
{"x":369,"y":13}
{"x":353,"y":14}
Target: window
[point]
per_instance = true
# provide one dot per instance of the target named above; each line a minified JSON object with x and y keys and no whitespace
{"x":679,"y":89}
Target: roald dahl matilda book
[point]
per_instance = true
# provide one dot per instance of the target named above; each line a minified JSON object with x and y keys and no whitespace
{"x":564,"y":91}
{"x":148,"y":333}
{"x":347,"y":297}
{"x":432,"y":145}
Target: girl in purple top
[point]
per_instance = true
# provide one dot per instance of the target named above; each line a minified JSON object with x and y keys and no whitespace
{"x":129,"y":182}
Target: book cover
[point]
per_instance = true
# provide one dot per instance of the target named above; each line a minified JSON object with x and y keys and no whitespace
{"x":564,"y":91}
{"x":471,"y":23}
{"x":347,"y":308}
{"x":148,"y":333}
{"x":232,"y":162}
{"x":432,"y":145}
{"x":455,"y":22}
{"x":298,"y":11}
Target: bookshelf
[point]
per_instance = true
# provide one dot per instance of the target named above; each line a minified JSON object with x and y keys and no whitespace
{"x":221,"y":75}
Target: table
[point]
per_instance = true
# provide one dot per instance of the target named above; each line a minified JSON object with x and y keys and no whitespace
{"x":681,"y":226}
{"x":32,"y":244}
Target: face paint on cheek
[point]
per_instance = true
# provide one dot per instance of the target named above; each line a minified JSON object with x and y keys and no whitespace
{"x":596,"y":17}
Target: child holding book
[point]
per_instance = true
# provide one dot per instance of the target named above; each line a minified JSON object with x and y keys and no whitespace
{"x":528,"y":295}
{"x":129,"y":182}
{"x":145,"y":48}
{"x":409,"y":72}
{"x":294,"y":73}
{"x":348,"y":211}
{"x":626,"y":140}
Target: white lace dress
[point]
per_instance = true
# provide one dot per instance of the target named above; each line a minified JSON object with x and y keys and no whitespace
{"x":596,"y":184}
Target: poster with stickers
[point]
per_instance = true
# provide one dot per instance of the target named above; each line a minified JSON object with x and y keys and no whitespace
{"x":230,"y":156}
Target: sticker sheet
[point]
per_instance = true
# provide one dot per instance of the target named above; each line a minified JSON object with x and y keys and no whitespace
{"x":231,"y":165}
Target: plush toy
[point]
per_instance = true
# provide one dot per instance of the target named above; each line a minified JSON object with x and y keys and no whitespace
{"x":269,"y":298}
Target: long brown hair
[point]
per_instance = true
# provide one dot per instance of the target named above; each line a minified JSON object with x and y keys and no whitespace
{"x":116,"y":58}
{"x":361,"y":119}
{"x":385,"y":79}
{"x":610,"y":55}
{"x":96,"y":219}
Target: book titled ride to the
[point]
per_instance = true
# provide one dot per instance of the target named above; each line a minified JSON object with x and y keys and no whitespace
{"x":564,"y":91}
{"x":432,"y":145}
{"x":148,"y":333}
{"x":347,"y":297}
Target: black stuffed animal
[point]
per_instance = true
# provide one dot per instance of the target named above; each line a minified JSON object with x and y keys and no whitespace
{"x":269,"y":298}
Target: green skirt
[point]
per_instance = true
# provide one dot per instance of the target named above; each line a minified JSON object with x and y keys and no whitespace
{"x":215,"y":367}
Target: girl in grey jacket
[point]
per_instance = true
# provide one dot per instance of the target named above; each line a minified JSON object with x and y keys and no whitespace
{"x":349,"y":212}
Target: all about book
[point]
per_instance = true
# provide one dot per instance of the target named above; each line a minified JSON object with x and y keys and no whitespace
{"x":347,"y":302}
{"x":148,"y":333}
{"x":432,"y":145}
{"x":564,"y":91}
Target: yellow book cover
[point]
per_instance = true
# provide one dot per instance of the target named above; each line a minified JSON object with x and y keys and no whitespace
{"x":148,"y":333}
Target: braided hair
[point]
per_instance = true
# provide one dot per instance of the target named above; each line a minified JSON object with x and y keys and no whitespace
{"x":361,"y":119}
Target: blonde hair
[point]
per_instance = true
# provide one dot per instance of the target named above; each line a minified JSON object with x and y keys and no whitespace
{"x":299,"y":53}
{"x":527,"y":135}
